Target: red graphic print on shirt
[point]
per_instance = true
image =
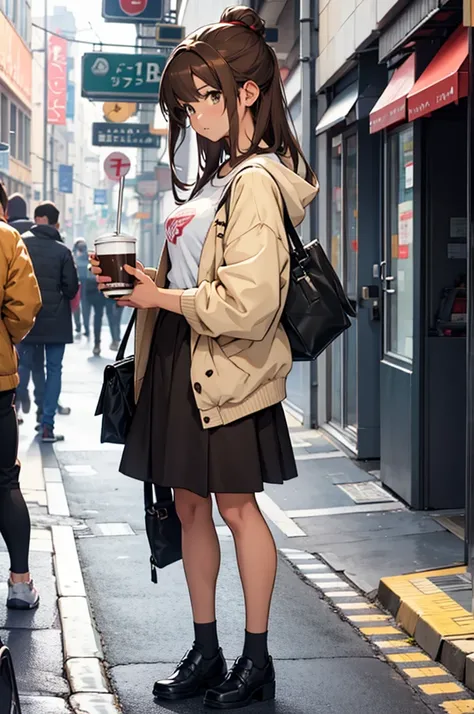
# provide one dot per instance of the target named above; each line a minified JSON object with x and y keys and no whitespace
{"x":176,"y":223}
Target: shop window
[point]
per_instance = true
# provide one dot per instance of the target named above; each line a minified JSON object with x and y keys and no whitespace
{"x":27,"y":158}
{"x":4,"y":124}
{"x":343,"y":254}
{"x":398,"y":337}
{"x":21,"y":137}
{"x":13,"y":130}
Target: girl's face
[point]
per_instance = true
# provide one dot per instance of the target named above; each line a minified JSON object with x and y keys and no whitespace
{"x":208,"y":115}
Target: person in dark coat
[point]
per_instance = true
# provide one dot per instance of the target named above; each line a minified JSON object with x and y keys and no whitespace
{"x":17,"y":214}
{"x":58,"y":280}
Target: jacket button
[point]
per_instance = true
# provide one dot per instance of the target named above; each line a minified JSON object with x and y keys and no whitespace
{"x":198,"y":388}
{"x":206,"y":420}
{"x":209,"y":373}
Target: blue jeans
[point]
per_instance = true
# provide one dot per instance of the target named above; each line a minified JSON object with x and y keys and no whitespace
{"x":54,"y":365}
{"x":31,"y":364}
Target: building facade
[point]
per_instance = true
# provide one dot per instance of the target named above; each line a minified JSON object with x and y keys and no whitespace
{"x":15,"y":95}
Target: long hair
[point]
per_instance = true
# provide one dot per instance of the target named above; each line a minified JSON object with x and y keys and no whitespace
{"x":225,"y":56}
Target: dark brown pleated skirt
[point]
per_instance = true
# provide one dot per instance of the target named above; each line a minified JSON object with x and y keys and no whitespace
{"x":167,"y":444}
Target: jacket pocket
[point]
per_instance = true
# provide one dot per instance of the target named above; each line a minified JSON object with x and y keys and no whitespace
{"x":8,"y":355}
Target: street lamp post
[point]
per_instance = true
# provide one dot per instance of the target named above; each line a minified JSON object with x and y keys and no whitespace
{"x":45,"y":105}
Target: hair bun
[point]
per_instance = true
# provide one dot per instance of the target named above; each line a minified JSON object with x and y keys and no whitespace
{"x":240,"y":14}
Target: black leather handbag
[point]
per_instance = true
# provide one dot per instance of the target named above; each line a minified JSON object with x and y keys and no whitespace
{"x":317,"y":310}
{"x":163,"y":527}
{"x":9,"y":699}
{"x":117,"y":399}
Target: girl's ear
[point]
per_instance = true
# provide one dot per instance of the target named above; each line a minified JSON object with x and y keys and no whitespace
{"x":249,"y":93}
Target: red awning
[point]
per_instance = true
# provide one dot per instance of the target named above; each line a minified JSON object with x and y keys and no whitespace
{"x":445,"y":80}
{"x":391,"y":107}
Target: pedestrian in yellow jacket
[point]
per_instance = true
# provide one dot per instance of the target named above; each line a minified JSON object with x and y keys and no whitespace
{"x":20,"y":302}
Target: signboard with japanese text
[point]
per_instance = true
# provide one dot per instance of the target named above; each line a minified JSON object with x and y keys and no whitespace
{"x":125,"y":135}
{"x":65,"y":178}
{"x":116,"y":165}
{"x":100,"y":197}
{"x":107,"y":76}
{"x":132,"y":10}
{"x":57,"y":80}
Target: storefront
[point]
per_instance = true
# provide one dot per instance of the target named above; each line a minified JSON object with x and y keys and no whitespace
{"x":421,"y":121}
{"x":349,"y":162}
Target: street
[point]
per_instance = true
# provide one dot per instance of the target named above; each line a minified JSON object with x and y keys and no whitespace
{"x":323,"y":664}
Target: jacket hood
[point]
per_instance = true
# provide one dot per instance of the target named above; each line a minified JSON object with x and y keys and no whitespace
{"x":17,"y":209}
{"x":296,"y":191}
{"x":45,"y":231}
{"x":21,"y":224}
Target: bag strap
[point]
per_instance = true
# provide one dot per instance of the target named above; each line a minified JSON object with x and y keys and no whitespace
{"x":290,"y":230}
{"x":161,"y":495}
{"x":125,"y":338}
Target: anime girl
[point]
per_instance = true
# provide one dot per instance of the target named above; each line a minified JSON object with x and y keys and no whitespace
{"x":212,"y":356}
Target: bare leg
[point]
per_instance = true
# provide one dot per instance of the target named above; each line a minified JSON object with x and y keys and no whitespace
{"x":256,"y":555}
{"x":201,"y":553}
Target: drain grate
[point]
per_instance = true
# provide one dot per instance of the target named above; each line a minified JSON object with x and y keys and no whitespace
{"x":451,"y":583}
{"x":366,"y":492}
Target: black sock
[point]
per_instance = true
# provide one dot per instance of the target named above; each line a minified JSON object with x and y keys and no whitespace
{"x":256,"y":648}
{"x":206,"y":639}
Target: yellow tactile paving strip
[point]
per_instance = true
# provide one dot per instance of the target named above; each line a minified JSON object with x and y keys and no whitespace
{"x":419,"y":600}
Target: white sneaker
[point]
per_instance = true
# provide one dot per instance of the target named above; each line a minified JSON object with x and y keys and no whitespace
{"x":22,"y":596}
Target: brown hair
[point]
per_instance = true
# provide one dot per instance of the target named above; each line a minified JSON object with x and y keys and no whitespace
{"x":225,"y":56}
{"x":3,"y":198}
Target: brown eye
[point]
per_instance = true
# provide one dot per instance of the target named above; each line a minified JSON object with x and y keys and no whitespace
{"x":215,"y":97}
{"x":188,"y":109}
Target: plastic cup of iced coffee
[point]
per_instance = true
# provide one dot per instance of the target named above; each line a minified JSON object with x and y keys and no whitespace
{"x":113,"y":251}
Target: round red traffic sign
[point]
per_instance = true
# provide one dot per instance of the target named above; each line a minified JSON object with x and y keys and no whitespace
{"x":116,"y":165}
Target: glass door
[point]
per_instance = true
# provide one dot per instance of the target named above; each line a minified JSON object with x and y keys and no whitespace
{"x":344,"y":247}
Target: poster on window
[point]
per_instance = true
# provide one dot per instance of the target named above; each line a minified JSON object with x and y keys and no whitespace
{"x":405,"y":228}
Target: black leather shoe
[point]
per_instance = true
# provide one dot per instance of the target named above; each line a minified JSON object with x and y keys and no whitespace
{"x":193,"y":675}
{"x":244,"y":683}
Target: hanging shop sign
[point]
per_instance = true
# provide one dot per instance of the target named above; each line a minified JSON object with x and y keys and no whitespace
{"x":71,"y":100}
{"x":57,"y":80}
{"x":170,"y":35}
{"x":100,"y":196}
{"x":65,"y":178}
{"x":118,"y":112}
{"x":15,"y":61}
{"x":116,"y":165}
{"x":125,"y":135}
{"x":132,"y":10}
{"x":107,"y":76}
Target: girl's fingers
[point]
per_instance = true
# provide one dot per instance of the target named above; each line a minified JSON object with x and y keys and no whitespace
{"x":95,"y":270}
{"x":103,"y":279}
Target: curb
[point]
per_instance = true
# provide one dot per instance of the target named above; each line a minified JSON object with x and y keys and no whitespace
{"x":82,"y":650}
{"x":431,"y":681}
{"x":442,"y":627}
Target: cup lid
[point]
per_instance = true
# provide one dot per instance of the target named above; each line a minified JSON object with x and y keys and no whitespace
{"x":114,"y":237}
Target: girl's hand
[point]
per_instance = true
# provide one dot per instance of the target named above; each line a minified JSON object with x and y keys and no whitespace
{"x":145,"y":292}
{"x":97,"y":270}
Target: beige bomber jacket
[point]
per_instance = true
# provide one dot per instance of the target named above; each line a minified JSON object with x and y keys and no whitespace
{"x":240,"y":354}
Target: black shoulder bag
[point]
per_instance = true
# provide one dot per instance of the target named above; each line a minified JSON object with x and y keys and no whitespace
{"x":317,"y":309}
{"x":163,"y":527}
{"x":9,"y":699}
{"x":117,"y":398}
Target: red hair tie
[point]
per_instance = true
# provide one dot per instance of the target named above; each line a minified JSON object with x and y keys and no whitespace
{"x":242,"y":24}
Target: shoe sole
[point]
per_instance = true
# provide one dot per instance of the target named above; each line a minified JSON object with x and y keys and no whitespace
{"x":171,"y":697}
{"x":22,"y":605}
{"x":265,"y":693}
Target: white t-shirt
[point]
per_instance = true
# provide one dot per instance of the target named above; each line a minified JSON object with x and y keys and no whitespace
{"x":187,"y":226}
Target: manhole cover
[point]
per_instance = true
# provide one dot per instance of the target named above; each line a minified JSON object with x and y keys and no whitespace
{"x":366,"y":492}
